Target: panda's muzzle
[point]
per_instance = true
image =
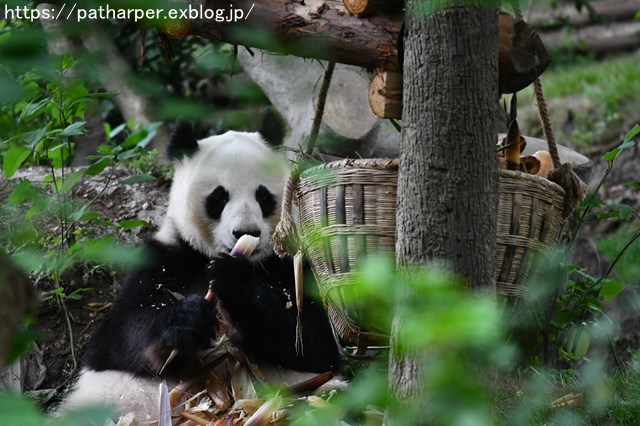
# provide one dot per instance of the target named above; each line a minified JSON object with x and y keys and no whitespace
{"x":237,"y":233}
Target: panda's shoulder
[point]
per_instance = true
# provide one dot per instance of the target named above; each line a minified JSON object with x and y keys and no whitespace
{"x":167,"y":263}
{"x":156,"y":253}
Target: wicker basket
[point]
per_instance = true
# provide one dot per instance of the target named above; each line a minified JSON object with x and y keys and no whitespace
{"x":353,"y":205}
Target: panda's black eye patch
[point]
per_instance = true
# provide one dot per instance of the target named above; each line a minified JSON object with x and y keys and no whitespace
{"x":215,"y":202}
{"x":266,"y":200}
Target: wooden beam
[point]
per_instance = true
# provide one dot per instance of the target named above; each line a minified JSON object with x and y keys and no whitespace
{"x":314,"y":29}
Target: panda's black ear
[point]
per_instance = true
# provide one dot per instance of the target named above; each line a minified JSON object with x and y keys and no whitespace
{"x":182,"y":143}
{"x":272,"y":126}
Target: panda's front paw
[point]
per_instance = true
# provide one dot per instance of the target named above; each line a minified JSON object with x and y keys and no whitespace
{"x":191,"y":326}
{"x":187,"y":329}
{"x":229,"y":273}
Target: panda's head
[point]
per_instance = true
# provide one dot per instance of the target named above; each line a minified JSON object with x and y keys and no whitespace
{"x":223,"y":187}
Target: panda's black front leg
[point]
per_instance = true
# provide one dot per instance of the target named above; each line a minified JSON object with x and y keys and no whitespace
{"x":259,"y":299}
{"x":181,"y":331}
{"x":159,"y":309}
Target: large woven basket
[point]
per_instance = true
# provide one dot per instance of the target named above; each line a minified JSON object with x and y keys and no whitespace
{"x":352,"y":204}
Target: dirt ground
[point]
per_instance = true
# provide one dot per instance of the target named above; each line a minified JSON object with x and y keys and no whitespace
{"x":64,"y":328}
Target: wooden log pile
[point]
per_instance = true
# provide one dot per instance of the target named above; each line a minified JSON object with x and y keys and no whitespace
{"x":611,"y":26}
{"x":518,"y":67}
{"x":326,"y":30}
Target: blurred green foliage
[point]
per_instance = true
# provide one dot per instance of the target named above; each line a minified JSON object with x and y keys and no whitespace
{"x":482,"y":364}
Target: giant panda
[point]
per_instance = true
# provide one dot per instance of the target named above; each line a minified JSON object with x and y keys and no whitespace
{"x":223,"y":187}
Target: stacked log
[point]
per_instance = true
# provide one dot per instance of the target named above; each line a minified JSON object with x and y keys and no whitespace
{"x":609,"y":26}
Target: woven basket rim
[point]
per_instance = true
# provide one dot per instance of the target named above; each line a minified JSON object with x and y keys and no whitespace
{"x":514,"y":174}
{"x":360,"y":163}
{"x":394,"y":163}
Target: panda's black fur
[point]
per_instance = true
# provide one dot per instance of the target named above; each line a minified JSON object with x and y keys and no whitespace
{"x":147,"y":321}
{"x":217,"y":196}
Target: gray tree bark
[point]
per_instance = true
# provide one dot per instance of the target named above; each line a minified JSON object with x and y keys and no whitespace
{"x":447,"y":188}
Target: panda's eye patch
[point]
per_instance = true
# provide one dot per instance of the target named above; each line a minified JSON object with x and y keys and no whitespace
{"x":215,"y":202}
{"x":266,"y":200}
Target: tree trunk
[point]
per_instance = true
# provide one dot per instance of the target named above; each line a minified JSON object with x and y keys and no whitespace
{"x":447,"y":188}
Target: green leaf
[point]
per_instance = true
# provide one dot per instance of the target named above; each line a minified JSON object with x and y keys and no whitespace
{"x":610,"y":289}
{"x":565,"y":317}
{"x":19,"y":410}
{"x":115,"y":132}
{"x":74,"y":129}
{"x":34,"y":107}
{"x":137,"y":179}
{"x":133,"y":139}
{"x":21,"y":343}
{"x":131,"y":153}
{"x":634,"y":185}
{"x":618,"y":211}
{"x":108,"y":250}
{"x":613,"y":154}
{"x":89,"y":216}
{"x":13,"y":159}
{"x":152,"y":129}
{"x":632,"y":133}
{"x":77,"y":293}
{"x":570,"y":268}
{"x":577,"y":341}
{"x":78,"y":214}
{"x":59,"y":154}
{"x":106,"y":150}
{"x":32,"y":138}
{"x":71,"y":180}
{"x":98,"y":167}
{"x":132,"y":223}
{"x":24,"y":191}
{"x":593,"y":201}
{"x":96,"y":415}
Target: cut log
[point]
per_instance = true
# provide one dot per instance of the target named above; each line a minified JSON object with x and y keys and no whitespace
{"x":518,"y":67}
{"x":324,"y":30}
{"x":346,"y":112}
{"x":385,"y":94}
{"x":521,"y":55}
{"x":368,"y":7}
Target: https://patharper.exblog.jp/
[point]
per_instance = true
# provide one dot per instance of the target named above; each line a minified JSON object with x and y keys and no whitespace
{"x":73,"y":12}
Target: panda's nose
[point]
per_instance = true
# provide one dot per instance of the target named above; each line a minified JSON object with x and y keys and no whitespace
{"x":237,"y":233}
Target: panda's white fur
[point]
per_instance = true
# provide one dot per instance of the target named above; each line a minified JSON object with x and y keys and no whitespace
{"x":121,"y":391}
{"x":239,"y":162}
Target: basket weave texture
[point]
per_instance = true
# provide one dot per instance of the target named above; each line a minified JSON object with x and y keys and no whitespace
{"x":352,"y":205}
